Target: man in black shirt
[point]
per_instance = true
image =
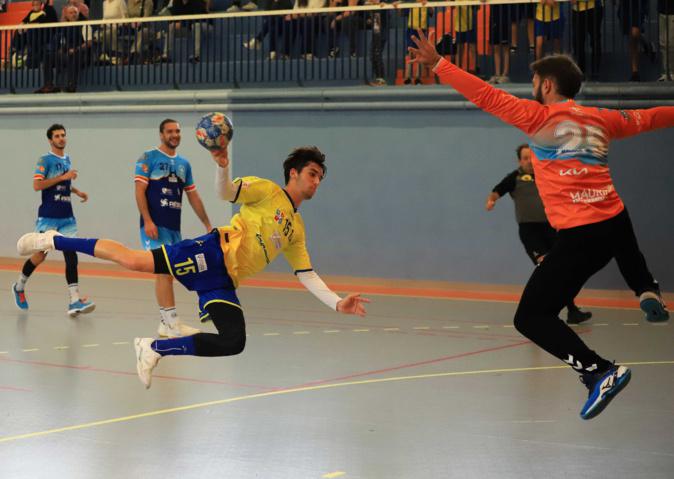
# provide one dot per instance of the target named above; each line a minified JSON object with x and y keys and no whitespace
{"x":535,"y":232}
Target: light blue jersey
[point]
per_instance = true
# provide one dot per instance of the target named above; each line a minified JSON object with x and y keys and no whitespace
{"x":56,"y":199}
{"x":166,"y":178}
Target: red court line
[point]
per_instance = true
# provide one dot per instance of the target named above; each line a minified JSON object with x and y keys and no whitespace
{"x":344,"y":287}
{"x":411,"y":365}
{"x":13,"y":388}
{"x":127,"y":373}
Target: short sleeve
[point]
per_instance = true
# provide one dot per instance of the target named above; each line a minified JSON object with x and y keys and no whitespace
{"x":41,"y":169}
{"x":189,"y":180}
{"x":507,"y":184}
{"x":143,"y":169}
{"x":251,"y":189}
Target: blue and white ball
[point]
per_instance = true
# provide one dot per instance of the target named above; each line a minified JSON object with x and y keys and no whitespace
{"x":214,"y":131}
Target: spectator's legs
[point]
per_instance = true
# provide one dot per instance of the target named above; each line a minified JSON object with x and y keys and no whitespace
{"x":667,"y":45}
{"x":579,"y":31}
{"x":635,"y":35}
{"x":196,"y":27}
{"x":72,"y":67}
{"x":170,"y":39}
{"x":377,"y":47}
{"x":596,"y":15}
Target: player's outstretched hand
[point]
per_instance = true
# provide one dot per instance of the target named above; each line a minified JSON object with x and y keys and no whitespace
{"x":221,"y":157}
{"x":83,"y":196}
{"x":425,"y":53}
{"x":352,"y":304}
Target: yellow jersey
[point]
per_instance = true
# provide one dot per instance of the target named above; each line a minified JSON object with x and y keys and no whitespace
{"x":418,"y":18}
{"x":463,"y":19}
{"x":546,"y":13}
{"x":267,"y":224}
{"x":582,"y":5}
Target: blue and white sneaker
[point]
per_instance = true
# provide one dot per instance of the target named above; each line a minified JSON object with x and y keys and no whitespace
{"x":19,"y":298}
{"x":603,"y":388}
{"x":652,"y":304}
{"x":81,"y":306}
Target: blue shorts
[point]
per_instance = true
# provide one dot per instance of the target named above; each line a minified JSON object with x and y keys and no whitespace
{"x":199,"y":265}
{"x":65,"y":226}
{"x":550,"y":30}
{"x":166,"y":237}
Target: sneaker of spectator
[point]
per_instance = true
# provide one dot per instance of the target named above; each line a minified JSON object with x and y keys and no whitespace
{"x":253,"y":44}
{"x":493,"y":80}
{"x":377,"y":82}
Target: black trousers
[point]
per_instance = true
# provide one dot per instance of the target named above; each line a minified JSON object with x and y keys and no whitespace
{"x":577,"y":254}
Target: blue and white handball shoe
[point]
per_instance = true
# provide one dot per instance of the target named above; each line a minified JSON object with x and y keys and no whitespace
{"x":603,"y":388}
{"x":20,"y":298}
{"x":81,"y":306}
{"x":652,"y":304}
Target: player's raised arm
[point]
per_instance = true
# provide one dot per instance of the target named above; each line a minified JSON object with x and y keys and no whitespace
{"x":526,"y":115}
{"x":224,"y":187}
{"x":624,"y":123}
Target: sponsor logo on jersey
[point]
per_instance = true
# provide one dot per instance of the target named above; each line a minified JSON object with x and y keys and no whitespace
{"x":526,"y":177}
{"x":264,"y":248}
{"x":591,"y":195}
{"x":164,"y":203}
{"x":167,"y":191}
{"x":279,"y":216}
{"x":276,"y":239}
{"x":573,"y":172}
{"x":144,"y":167}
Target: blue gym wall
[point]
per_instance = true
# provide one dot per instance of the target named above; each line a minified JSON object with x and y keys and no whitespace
{"x":403,"y":198}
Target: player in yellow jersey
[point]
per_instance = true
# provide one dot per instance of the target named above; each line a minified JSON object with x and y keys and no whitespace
{"x":213,"y":265}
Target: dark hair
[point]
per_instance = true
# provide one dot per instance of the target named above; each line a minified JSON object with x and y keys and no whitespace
{"x":563,"y":71}
{"x":301,"y":157}
{"x":163,"y":124}
{"x":520,"y":148}
{"x":53,"y":128}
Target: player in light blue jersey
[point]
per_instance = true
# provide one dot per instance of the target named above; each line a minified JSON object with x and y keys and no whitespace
{"x":161,"y":177}
{"x":53,"y":177}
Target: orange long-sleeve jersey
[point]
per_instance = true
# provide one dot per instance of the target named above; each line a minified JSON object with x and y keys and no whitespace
{"x":569,"y":143}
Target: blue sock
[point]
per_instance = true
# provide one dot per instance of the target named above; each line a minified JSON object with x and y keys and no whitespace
{"x":81,"y":245}
{"x":174,"y":346}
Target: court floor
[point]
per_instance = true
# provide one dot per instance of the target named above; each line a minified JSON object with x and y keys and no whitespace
{"x":421,"y":388}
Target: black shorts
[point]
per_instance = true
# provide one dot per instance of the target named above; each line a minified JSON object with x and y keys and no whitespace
{"x":537,"y":238}
{"x":632,"y":14}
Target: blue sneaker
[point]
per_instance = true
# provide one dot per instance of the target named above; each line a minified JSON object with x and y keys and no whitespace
{"x":652,"y":304}
{"x":19,"y":298}
{"x":81,"y":306}
{"x":603,"y":388}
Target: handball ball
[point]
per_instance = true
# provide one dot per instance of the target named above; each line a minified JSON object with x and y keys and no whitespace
{"x":214,"y":131}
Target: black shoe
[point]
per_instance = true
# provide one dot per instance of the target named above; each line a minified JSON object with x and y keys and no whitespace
{"x":71,"y":89}
{"x":194,"y":59}
{"x":576,"y":316}
{"x":418,"y":81}
{"x":408,"y":81}
{"x":635,"y":76}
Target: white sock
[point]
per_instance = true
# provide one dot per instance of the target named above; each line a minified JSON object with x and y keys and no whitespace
{"x":169,"y":315}
{"x":21,"y":283}
{"x":74,"y":291}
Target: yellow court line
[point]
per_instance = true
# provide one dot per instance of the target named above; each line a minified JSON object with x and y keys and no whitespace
{"x":332,"y":475}
{"x":280,"y":392}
